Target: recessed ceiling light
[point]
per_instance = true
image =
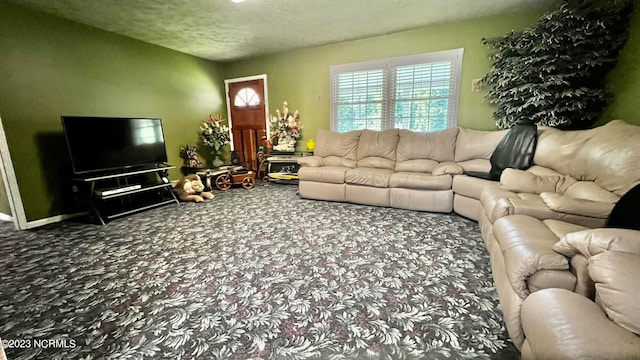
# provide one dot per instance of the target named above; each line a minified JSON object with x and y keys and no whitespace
{"x":237,"y":1}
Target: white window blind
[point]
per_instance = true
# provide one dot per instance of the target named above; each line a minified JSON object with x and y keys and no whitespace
{"x":418,"y":93}
{"x":360,"y":102}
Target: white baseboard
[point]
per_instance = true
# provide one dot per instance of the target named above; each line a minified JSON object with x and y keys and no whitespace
{"x":52,"y":220}
{"x":5,"y":217}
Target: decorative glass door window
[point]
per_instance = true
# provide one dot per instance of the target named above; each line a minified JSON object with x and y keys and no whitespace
{"x":246,"y":97}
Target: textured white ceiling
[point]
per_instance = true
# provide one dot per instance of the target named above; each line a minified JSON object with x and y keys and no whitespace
{"x":222,"y":30}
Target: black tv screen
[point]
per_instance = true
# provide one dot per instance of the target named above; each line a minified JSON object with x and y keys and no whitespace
{"x":109,"y":143}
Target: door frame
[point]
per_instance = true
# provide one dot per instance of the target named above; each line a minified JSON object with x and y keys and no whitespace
{"x":11,"y":183}
{"x":266,"y":98}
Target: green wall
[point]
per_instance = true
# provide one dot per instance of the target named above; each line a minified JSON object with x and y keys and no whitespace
{"x":5,"y":207}
{"x":300,"y":76}
{"x":624,"y":80}
{"x":52,"y":67}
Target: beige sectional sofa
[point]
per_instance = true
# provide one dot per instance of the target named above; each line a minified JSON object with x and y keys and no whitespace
{"x":399,"y":168}
{"x":577,"y":179}
{"x":604,"y":324}
{"x":3,"y":356}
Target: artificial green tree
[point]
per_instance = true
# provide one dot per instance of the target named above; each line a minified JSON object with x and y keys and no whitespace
{"x":553,"y":73}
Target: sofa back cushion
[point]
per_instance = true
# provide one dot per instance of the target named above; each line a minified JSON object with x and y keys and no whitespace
{"x":617,"y":287}
{"x":607,"y":155}
{"x":377,"y":149}
{"x":588,"y":190}
{"x":592,"y":242}
{"x":421,"y":152}
{"x":337,"y":149}
{"x":476,"y":144}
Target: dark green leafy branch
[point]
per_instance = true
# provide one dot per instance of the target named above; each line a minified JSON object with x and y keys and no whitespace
{"x":554,"y":72}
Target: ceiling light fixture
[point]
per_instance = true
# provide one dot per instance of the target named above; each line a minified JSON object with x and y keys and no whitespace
{"x":237,"y":1}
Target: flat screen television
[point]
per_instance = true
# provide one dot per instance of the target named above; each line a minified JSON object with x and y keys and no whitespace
{"x":100,"y":144}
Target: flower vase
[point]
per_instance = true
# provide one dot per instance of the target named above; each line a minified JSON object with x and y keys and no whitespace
{"x":291,"y":143}
{"x":217,"y":162}
{"x":286,"y":144}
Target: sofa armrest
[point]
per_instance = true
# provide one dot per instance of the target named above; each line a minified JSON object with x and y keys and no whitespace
{"x":527,"y":182}
{"x":527,"y":247}
{"x":311,"y":161}
{"x":583,"y":207}
{"x":498,"y":203}
{"x":591,"y":242}
{"x":3,"y":356}
{"x":495,"y":202}
{"x":449,"y":168}
{"x":559,"y":324}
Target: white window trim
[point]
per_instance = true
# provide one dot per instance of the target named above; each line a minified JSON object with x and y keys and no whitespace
{"x":454,"y":55}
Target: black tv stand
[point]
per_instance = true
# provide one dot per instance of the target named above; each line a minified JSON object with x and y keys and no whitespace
{"x":116,"y":194}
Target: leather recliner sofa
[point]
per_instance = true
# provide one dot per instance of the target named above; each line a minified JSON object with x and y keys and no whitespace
{"x":604,"y":323}
{"x":577,"y":179}
{"x":400,"y":168}
{"x":578,"y":176}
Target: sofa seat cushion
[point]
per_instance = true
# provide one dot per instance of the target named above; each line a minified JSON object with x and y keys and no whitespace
{"x":562,"y":228}
{"x":417,"y":165}
{"x":338,"y":161}
{"x":476,"y":165}
{"x":369,"y":176}
{"x":469,"y":186}
{"x":325,"y":174}
{"x":527,"y":246}
{"x":426,"y":181}
{"x":498,"y":202}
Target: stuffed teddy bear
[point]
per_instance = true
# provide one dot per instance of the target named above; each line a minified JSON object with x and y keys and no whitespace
{"x":191,"y":188}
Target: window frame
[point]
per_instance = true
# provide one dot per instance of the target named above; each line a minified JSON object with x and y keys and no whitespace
{"x":455,"y":56}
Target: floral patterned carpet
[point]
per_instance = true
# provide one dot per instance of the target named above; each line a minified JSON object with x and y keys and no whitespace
{"x":252,"y":274}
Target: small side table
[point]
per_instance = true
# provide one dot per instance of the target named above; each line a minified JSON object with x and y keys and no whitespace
{"x":274,"y":161}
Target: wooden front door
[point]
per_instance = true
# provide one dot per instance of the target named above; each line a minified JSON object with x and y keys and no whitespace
{"x":248,"y":119}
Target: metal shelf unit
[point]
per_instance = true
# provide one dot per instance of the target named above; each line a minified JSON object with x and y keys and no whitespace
{"x":127,"y":203}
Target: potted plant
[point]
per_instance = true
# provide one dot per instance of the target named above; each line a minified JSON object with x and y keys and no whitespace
{"x":215,"y":135}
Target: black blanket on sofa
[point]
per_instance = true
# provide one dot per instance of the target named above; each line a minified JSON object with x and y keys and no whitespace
{"x":515,"y":151}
